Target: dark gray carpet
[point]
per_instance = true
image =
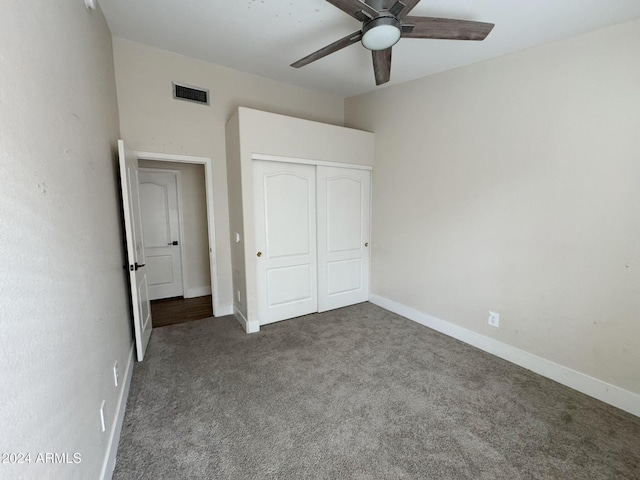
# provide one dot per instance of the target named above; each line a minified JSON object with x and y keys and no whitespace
{"x":357,"y":393}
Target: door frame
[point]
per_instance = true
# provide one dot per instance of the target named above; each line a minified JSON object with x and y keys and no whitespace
{"x":211,"y":228}
{"x":308,"y":161}
{"x":183,"y":260}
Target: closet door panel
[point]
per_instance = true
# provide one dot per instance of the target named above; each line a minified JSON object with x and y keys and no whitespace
{"x":285,"y":222}
{"x":343,"y":236}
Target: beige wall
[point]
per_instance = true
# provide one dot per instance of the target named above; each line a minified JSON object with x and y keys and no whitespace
{"x":234,"y":177}
{"x":63,"y":291}
{"x":151,"y":120}
{"x":252,"y":132}
{"x":194,"y":209}
{"x":512,"y":185}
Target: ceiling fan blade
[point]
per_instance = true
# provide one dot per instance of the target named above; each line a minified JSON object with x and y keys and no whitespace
{"x":329,"y":49}
{"x":445,"y":28}
{"x":382,"y":65}
{"x":408,"y":6}
{"x":356,"y":8}
{"x":395,"y":8}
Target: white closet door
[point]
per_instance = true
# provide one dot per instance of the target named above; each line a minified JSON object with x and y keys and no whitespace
{"x":343,"y":236}
{"x":285,"y":222}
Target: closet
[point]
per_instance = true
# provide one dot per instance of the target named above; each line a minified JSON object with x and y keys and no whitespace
{"x":299,"y":215}
{"x":311,"y":236}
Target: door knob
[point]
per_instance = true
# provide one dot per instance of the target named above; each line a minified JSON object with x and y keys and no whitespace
{"x":175,"y":242}
{"x":259,"y":254}
{"x":366,"y":244}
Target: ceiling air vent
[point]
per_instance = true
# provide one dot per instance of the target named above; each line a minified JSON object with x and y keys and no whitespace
{"x":190,"y":94}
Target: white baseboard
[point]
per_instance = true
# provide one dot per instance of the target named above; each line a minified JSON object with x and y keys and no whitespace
{"x":253,"y":327}
{"x":110,"y":458}
{"x":224,"y":310}
{"x":198,"y":292}
{"x":249,"y":327}
{"x":603,"y":391}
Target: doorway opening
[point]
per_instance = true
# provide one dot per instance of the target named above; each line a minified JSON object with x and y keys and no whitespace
{"x":187,"y":267}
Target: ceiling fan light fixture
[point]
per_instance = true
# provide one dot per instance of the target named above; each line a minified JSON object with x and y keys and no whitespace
{"x":381,"y":33}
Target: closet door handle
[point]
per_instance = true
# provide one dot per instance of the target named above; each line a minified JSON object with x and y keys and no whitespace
{"x":366,"y":244}
{"x":259,"y":254}
{"x":175,"y":242}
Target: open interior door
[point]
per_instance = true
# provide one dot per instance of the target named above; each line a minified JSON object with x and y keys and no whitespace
{"x":135,"y":248}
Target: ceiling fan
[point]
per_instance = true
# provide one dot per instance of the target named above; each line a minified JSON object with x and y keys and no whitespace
{"x":384,"y":22}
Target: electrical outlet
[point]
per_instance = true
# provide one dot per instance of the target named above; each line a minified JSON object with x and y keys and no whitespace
{"x":102,"y":422}
{"x":115,"y":373}
{"x":494,"y":319}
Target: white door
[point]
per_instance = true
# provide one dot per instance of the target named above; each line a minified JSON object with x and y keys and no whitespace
{"x":285,"y":221}
{"x":161,"y":231}
{"x":343,"y":236}
{"x":135,"y":249}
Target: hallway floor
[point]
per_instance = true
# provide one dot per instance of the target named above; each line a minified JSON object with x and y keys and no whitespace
{"x":170,"y":311}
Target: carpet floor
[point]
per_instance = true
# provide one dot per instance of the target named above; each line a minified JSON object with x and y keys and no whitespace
{"x":357,"y":393}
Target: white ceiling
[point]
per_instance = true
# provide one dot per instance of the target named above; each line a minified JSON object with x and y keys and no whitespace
{"x":265,"y":36}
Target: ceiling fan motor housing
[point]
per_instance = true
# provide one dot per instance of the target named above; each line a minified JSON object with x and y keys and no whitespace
{"x":381,"y":32}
